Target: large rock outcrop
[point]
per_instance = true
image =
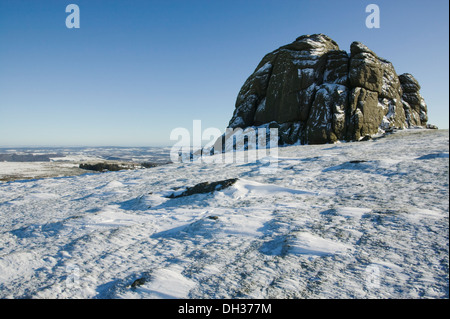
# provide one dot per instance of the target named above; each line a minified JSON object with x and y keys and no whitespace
{"x":315,"y":93}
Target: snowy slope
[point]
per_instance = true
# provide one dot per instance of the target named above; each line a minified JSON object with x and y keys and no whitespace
{"x":349,"y":220}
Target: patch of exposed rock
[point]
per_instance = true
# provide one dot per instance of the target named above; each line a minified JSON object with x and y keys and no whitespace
{"x":205,"y":187}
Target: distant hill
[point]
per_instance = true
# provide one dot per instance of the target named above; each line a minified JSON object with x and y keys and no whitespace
{"x":27,"y":157}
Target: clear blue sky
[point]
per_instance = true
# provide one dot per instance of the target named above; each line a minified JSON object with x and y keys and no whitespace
{"x":136,"y":69}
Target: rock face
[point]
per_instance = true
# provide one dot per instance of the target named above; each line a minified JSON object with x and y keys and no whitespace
{"x":315,"y":93}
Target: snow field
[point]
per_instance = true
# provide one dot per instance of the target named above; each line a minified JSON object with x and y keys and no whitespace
{"x":349,"y":220}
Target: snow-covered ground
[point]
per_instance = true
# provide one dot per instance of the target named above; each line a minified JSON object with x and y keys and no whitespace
{"x":349,"y":220}
{"x":32,"y":170}
{"x":63,"y":161}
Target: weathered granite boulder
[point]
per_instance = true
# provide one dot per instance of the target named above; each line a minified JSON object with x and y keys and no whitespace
{"x":205,"y":187}
{"x":414,"y":104}
{"x":365,"y":68}
{"x":315,"y":93}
